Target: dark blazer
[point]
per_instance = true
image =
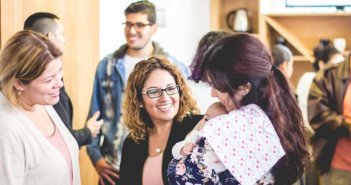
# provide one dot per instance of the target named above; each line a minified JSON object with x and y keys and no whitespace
{"x":134,"y":154}
{"x":64,"y":109}
{"x":325,"y":109}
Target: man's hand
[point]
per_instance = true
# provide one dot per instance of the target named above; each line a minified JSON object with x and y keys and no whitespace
{"x":94,"y":125}
{"x":106,"y":171}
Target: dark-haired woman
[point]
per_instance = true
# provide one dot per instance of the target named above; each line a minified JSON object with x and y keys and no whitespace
{"x":261,"y":140}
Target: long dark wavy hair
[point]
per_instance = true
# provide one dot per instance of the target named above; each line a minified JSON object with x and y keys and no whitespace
{"x":239,"y":59}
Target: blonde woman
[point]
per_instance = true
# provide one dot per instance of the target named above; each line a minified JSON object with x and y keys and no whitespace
{"x":35,"y":146}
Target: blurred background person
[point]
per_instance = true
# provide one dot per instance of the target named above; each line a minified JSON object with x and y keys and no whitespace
{"x":327,"y":55}
{"x":159,"y":111}
{"x":329,"y":113}
{"x":283,"y":59}
{"x":324,"y":55}
{"x":35,"y":146}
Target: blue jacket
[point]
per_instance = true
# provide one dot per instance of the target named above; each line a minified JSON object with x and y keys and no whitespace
{"x":105,"y":143}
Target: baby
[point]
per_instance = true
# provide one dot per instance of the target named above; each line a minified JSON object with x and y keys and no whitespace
{"x":185,"y":147}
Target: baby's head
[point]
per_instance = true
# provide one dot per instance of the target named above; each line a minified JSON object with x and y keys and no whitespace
{"x":215,"y":109}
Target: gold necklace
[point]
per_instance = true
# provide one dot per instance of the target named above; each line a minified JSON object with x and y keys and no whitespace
{"x":158,"y":150}
{"x":159,"y":146}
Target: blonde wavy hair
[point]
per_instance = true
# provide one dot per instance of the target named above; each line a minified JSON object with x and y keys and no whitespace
{"x":135,"y":118}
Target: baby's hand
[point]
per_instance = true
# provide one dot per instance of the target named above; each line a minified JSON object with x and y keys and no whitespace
{"x":187,"y":149}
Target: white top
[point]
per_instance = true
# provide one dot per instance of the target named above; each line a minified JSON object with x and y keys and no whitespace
{"x":245,"y":141}
{"x":202,"y":93}
{"x":302,"y":91}
{"x":211,"y":159}
{"x":129,"y":64}
{"x":59,"y":142}
{"x":190,"y":138}
{"x":27,"y":156}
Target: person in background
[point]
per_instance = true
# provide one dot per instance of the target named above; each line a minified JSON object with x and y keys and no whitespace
{"x":198,"y":87}
{"x":329,"y":113}
{"x":283,"y":59}
{"x":50,"y":25}
{"x":328,"y":55}
{"x":261,"y":140}
{"x":324,"y":56}
{"x":185,"y":147}
{"x":159,"y":111}
{"x":109,"y":86}
{"x":35,"y":146}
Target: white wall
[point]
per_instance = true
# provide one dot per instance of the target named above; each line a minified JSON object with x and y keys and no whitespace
{"x":186,"y":21}
{"x":278,"y":6}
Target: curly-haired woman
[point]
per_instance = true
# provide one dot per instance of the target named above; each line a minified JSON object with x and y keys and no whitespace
{"x":159,"y":111}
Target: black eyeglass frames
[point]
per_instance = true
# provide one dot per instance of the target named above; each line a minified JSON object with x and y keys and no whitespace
{"x":155,"y":92}
{"x":138,"y":26}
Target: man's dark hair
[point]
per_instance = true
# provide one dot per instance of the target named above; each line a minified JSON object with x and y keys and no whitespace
{"x":324,"y":55}
{"x":41,"y":22}
{"x":144,"y":7}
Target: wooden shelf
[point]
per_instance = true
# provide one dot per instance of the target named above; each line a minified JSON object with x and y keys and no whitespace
{"x":337,"y":14}
{"x":300,"y":58}
{"x":304,"y":31}
{"x":290,"y":37}
{"x":220,"y":9}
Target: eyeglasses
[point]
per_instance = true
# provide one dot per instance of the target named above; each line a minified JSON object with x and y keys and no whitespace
{"x":155,"y":92}
{"x":139,"y":26}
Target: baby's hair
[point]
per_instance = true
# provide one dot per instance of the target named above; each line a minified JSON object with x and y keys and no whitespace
{"x":216,"y":109}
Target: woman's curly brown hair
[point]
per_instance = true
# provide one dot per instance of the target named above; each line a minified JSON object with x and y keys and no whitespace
{"x":135,"y":118}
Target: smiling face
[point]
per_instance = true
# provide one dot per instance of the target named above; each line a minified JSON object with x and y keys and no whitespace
{"x":162,"y":109}
{"x":45,"y":89}
{"x":138,"y":39}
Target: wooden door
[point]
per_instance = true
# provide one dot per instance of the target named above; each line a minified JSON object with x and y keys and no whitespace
{"x":81,"y":22}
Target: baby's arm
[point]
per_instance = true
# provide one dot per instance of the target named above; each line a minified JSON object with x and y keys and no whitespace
{"x":186,"y":146}
{"x":199,"y":126}
{"x":187,"y":149}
